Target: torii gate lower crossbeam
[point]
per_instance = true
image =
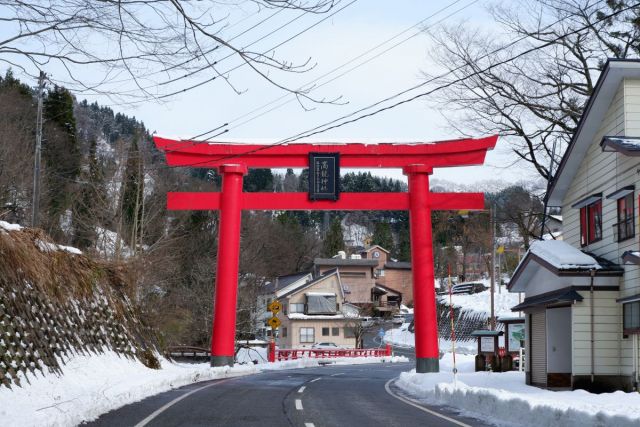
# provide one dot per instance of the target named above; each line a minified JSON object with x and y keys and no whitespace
{"x":419,"y":201}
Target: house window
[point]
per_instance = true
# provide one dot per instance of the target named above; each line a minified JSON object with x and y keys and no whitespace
{"x":296,"y":307}
{"x":591,"y":223}
{"x":321,"y":303}
{"x":349,"y":332}
{"x":631,"y":317}
{"x":307,"y":335}
{"x":626,"y":222}
{"x":335,"y":332}
{"x":325,"y":332}
{"x":380,"y":272}
{"x":284,"y":332}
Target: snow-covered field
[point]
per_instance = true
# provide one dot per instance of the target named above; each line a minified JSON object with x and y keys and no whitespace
{"x":401,"y":337}
{"x":481,"y":302}
{"x":507,"y":401}
{"x":100,"y":383}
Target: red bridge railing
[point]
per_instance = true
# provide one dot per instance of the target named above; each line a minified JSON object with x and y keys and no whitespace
{"x":293,"y":354}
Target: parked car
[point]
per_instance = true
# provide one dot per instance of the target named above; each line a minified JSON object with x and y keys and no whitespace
{"x":325,"y":346}
{"x":367,"y":322}
{"x":397,"y":319}
{"x":468,"y":288}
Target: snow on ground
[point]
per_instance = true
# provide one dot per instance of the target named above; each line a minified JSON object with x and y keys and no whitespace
{"x":93,"y":385}
{"x":481,"y":302}
{"x":506,"y":400}
{"x":10,"y":227}
{"x":401,"y":337}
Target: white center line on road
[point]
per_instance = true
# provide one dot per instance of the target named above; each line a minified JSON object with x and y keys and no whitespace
{"x":173,"y":402}
{"x":301,"y":389}
{"x":335,"y":375}
{"x":422,"y":408}
{"x":299,"y":404}
{"x":309,"y":425}
{"x":313,"y":381}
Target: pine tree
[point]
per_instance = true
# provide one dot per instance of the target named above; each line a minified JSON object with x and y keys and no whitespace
{"x":133,"y":191}
{"x":382,"y":236}
{"x":61,"y":156}
{"x":334,"y":240}
{"x":87,"y":207}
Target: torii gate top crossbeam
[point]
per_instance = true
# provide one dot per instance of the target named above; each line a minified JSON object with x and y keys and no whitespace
{"x":461,"y":152}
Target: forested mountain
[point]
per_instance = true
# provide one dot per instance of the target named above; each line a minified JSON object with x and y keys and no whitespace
{"x":103,"y":190}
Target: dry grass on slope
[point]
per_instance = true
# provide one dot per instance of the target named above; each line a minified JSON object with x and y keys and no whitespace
{"x":54,"y":303}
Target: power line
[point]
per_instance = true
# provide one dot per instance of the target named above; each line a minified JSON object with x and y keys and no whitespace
{"x":329,"y":125}
{"x":308,"y":84}
{"x":264,"y":53}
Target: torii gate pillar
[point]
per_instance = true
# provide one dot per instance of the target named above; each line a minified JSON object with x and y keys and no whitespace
{"x":224,"y":314}
{"x":424,"y":297}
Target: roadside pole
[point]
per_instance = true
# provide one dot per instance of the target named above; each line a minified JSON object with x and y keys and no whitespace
{"x":35,"y":206}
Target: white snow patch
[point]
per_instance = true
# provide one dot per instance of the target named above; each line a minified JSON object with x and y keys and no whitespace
{"x":52,"y":247}
{"x":481,"y":301}
{"x":401,"y":337}
{"x":10,"y":227}
{"x":506,"y":400}
{"x":93,"y":385}
{"x":562,"y":255}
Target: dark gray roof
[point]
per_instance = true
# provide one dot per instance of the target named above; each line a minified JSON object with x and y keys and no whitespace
{"x":337,"y":262}
{"x":486,"y":333}
{"x":312,"y":282}
{"x":398,"y":265}
{"x":554,"y":297}
{"x":282,"y":281}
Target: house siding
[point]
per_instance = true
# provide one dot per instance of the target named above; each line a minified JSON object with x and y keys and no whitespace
{"x":607,"y":322}
{"x":606,"y":173}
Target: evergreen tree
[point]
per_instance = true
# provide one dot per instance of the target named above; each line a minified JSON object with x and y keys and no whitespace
{"x":334,"y":240}
{"x":61,"y":156}
{"x":258,"y":180}
{"x":87,"y":207}
{"x":132,"y":194}
{"x":382,"y":236}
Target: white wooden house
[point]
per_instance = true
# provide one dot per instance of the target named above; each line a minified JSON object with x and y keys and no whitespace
{"x":582,"y":298}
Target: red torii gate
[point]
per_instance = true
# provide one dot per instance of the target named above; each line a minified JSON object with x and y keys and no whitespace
{"x":417,"y":161}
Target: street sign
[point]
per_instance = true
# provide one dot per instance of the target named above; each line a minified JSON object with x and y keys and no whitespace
{"x":274,"y":307}
{"x":381,"y":333}
{"x":274,"y":322}
{"x":324,"y":176}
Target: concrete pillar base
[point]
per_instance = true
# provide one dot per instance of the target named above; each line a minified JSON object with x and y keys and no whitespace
{"x":221,"y":361}
{"x":425,"y":365}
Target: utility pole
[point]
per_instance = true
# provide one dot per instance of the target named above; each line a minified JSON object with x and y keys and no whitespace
{"x":36,"y":168}
{"x":492,"y":325}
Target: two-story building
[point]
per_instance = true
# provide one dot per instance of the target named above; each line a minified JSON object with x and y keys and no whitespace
{"x":582,"y":296}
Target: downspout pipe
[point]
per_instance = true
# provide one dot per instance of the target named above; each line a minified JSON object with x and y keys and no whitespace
{"x":592,"y":273}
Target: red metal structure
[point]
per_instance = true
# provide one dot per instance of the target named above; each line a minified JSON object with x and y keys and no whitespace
{"x":417,"y":161}
{"x":276,"y":355}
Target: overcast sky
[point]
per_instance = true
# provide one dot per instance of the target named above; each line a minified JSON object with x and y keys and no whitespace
{"x":333,"y":43}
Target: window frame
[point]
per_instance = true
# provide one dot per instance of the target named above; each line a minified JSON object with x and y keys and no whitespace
{"x":327,"y":330}
{"x":294,"y":306}
{"x":350,"y":331}
{"x":591,"y":223}
{"x":306,"y":334}
{"x":633,"y":328}
{"x":626,"y":217}
{"x":335,"y":331}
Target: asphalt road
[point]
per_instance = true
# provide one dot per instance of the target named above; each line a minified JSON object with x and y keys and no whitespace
{"x":371,"y":339}
{"x":358,"y":395}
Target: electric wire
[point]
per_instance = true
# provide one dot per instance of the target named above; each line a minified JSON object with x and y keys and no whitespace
{"x":329,"y":125}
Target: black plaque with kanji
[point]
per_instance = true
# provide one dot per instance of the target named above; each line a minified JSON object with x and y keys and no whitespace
{"x":324,"y":176}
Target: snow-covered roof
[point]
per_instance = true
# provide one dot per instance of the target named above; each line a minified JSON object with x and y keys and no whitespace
{"x":612,"y":75}
{"x":302,"y":316}
{"x":321,"y":294}
{"x":628,"y":146}
{"x":563,"y":256}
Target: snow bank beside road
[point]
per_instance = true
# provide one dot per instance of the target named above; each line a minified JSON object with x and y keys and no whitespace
{"x":505,"y":399}
{"x":96,"y":384}
{"x":403,"y":338}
